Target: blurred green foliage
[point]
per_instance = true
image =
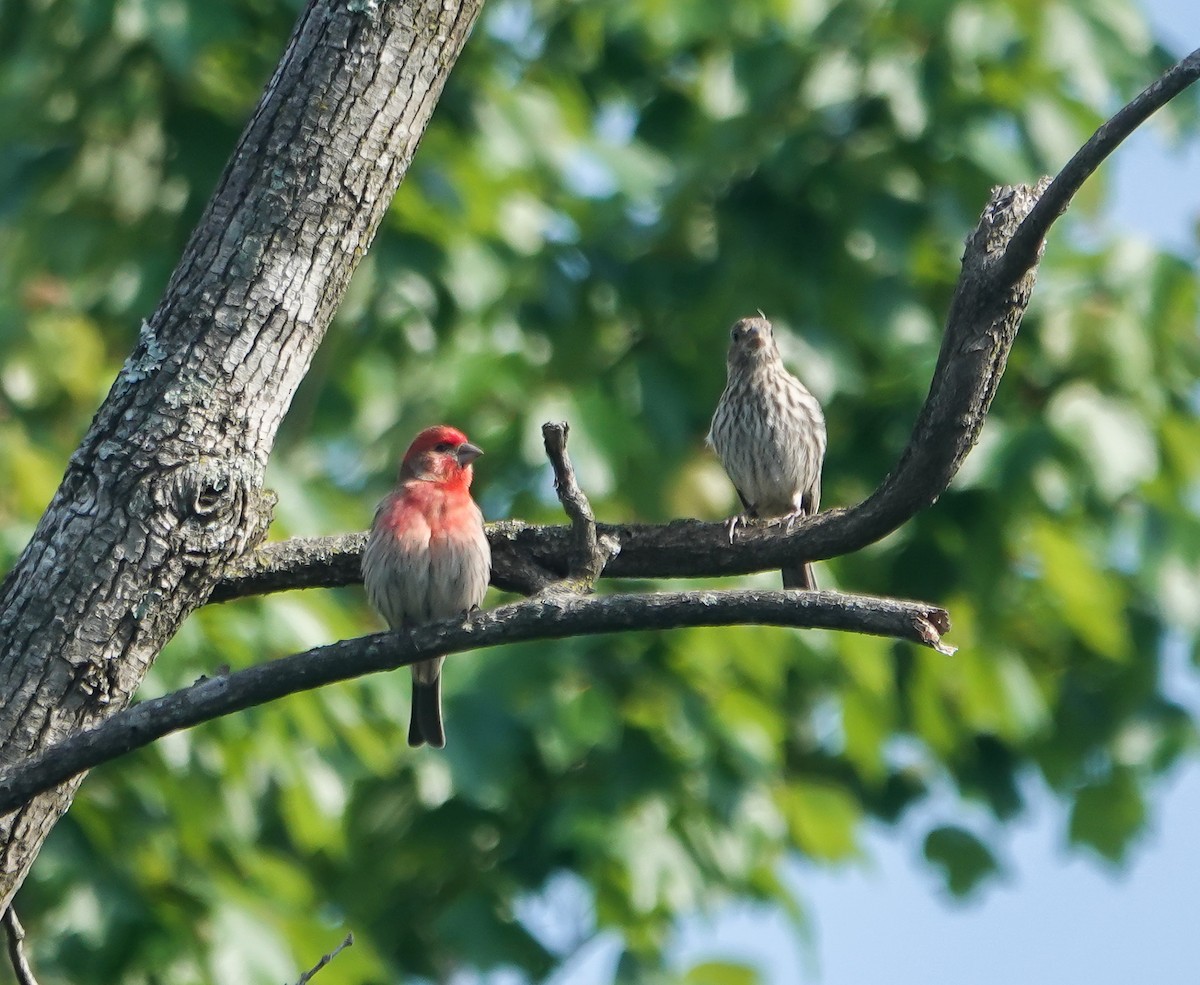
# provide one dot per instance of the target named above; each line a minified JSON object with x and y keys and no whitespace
{"x":605,"y":187}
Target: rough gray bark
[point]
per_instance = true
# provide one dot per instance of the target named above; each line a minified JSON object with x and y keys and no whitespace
{"x":166,"y":488}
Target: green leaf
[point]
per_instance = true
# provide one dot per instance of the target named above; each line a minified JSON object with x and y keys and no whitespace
{"x":1087,"y":598}
{"x":1108,"y":815}
{"x":721,"y":973}
{"x":964,"y":860}
{"x":821,"y":817}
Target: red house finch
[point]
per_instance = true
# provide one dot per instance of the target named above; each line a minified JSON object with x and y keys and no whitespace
{"x":769,"y":433}
{"x":427,"y":557}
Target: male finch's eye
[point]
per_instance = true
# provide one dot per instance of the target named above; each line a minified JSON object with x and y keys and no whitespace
{"x":443,"y":446}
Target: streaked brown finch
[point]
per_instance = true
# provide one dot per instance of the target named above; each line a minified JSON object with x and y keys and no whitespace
{"x":769,"y":433}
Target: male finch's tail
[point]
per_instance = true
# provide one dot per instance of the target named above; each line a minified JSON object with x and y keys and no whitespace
{"x":425,"y":725}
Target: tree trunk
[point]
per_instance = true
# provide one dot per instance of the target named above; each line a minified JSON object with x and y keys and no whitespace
{"x":166,"y":488}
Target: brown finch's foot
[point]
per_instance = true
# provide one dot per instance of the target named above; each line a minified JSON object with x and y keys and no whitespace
{"x":791,"y":518}
{"x":732,"y":523}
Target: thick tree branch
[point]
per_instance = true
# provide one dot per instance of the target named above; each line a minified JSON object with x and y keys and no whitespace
{"x":301,"y":562}
{"x":551,"y":615}
{"x":336,"y":561}
{"x":1023,"y":249}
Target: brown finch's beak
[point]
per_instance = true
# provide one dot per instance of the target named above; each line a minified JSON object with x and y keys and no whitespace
{"x":467,"y":453}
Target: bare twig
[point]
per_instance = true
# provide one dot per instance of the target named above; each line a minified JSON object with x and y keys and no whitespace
{"x":16,"y":948}
{"x":1022,"y":250}
{"x":347,"y":941}
{"x":548,"y":616}
{"x":589,"y":553}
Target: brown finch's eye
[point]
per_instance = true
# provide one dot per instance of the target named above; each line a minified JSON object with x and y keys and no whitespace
{"x":736,"y":334}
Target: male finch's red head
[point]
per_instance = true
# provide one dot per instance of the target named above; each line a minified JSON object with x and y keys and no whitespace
{"x":440,"y":454}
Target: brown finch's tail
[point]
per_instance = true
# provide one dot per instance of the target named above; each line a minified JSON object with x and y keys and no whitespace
{"x":798,"y":577}
{"x":425,"y":725}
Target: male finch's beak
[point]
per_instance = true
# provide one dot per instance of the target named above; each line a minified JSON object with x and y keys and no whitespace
{"x":467,"y":453}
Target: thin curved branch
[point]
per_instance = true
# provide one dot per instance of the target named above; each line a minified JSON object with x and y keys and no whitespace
{"x":980,"y":331}
{"x":1023,"y":250}
{"x":552,"y":615}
